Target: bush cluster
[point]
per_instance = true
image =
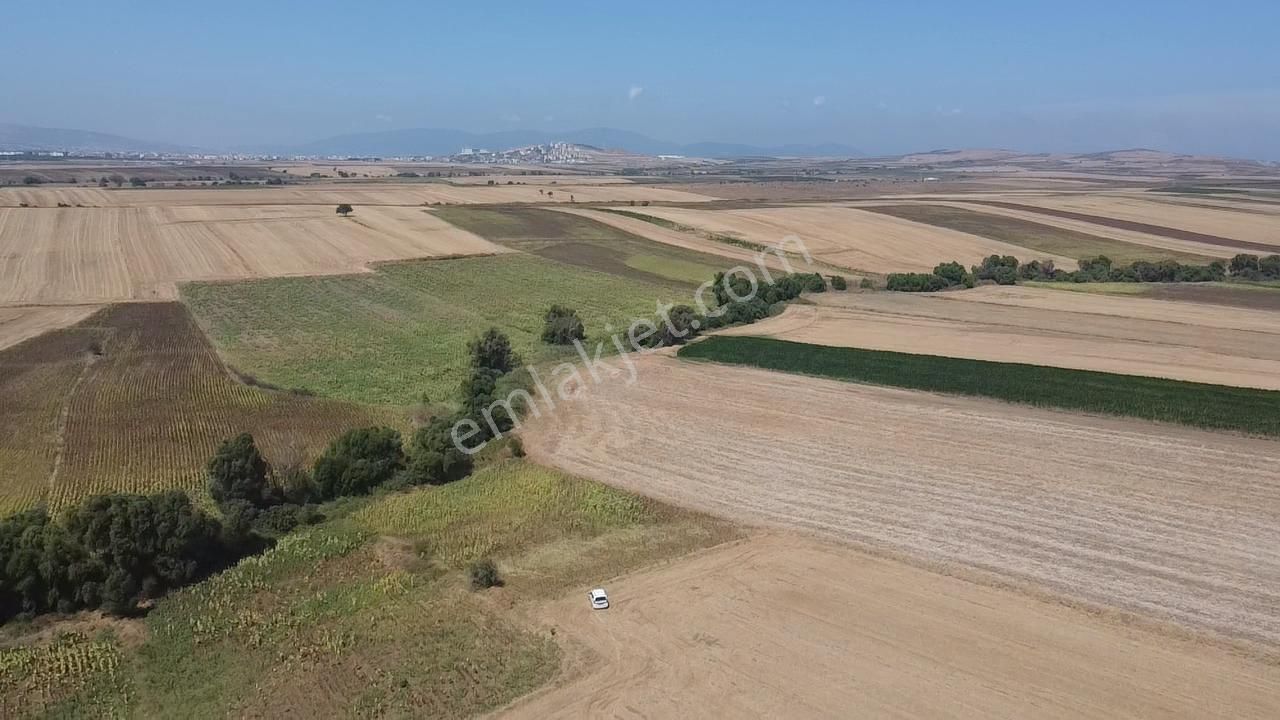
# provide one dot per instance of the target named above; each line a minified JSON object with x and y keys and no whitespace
{"x":110,"y":552}
{"x":563,"y":326}
{"x":1252,"y":267}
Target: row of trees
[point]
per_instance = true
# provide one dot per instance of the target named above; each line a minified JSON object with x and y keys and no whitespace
{"x":1006,"y":270}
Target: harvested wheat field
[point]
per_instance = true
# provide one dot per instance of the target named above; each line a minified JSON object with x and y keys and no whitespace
{"x":23,"y":322}
{"x":1165,"y":522}
{"x":83,"y":255}
{"x":1108,"y":333}
{"x":330,"y":194}
{"x":782,"y":626}
{"x":851,"y":238}
{"x":1205,"y":224}
{"x":667,"y":236}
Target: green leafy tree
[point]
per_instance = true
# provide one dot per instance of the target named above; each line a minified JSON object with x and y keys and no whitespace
{"x":344,"y":210}
{"x":358,"y":461}
{"x":492,"y":351}
{"x":239,"y":472}
{"x":562,"y":326}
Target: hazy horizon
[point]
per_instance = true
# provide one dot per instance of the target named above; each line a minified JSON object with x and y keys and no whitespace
{"x":1173,"y":76}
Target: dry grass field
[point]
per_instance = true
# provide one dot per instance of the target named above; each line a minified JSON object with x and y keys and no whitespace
{"x":1109,"y":333}
{"x":87,"y":255}
{"x":851,"y":238}
{"x":134,"y":399}
{"x":783,"y":626}
{"x":1173,"y":524}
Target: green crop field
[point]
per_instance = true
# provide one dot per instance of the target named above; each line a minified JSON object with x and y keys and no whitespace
{"x":1209,"y":406}
{"x":399,"y":335}
{"x":581,"y":241}
{"x":1034,"y":235}
{"x":367,"y":614}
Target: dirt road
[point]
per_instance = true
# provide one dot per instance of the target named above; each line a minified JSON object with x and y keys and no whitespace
{"x":780,"y":626}
{"x":1167,"y":522}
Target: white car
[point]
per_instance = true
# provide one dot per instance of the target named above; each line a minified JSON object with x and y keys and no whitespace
{"x":599,"y":600}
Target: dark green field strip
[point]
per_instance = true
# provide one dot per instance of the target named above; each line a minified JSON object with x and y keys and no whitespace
{"x":1216,"y":407}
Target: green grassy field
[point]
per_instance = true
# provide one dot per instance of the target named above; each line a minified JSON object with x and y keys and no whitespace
{"x":1201,"y":405}
{"x":399,"y":335}
{"x":1034,"y":235}
{"x":583,"y":242}
{"x":367,"y":614}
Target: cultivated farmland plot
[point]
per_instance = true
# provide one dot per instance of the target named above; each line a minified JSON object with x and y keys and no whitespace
{"x":84,"y":255}
{"x":1120,"y":334}
{"x":1170,"y":523}
{"x":134,"y":399}
{"x":851,"y":238}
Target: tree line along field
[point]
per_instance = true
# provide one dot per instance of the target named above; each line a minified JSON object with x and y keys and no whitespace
{"x":134,"y":399}
{"x":399,"y":335}
{"x":317,"y":625}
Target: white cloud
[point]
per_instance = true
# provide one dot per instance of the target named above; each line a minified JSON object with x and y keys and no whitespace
{"x":634,"y":92}
{"x":820,"y":100}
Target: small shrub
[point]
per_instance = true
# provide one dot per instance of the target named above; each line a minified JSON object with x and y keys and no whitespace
{"x":839,"y":283}
{"x":484,"y":574}
{"x":562,"y":326}
{"x":866,"y":284}
{"x":517,"y":447}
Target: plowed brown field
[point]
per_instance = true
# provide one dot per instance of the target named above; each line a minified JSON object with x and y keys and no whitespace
{"x":780,"y":626}
{"x":1169,"y":523}
{"x":19,"y":323}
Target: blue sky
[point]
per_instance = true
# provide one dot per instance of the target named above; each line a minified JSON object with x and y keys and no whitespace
{"x":884,"y":77}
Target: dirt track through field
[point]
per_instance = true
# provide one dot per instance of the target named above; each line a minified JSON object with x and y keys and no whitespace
{"x":1121,"y":334}
{"x":782,"y":626}
{"x":1172,"y":523}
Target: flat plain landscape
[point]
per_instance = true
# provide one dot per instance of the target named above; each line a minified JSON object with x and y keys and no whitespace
{"x":1000,"y":559}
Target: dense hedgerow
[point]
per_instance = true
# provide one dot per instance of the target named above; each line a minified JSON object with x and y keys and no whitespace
{"x":1210,"y":406}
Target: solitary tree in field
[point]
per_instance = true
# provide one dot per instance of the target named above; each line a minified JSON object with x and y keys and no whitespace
{"x":345,"y":210}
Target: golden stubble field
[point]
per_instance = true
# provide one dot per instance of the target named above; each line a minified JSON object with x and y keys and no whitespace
{"x":95,"y":255}
{"x":851,"y":238}
{"x":1038,"y":326}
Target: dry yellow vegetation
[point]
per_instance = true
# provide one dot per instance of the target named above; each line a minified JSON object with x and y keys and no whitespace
{"x":852,"y":238}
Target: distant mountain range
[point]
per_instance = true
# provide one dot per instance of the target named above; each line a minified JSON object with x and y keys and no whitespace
{"x":28,"y":138}
{"x":418,"y":141}
{"x":443,"y":141}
